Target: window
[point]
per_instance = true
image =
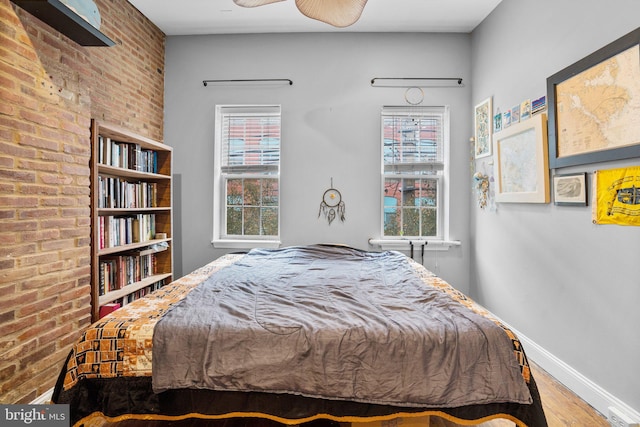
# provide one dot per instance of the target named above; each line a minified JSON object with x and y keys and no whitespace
{"x":247,"y":175}
{"x":414,"y":172}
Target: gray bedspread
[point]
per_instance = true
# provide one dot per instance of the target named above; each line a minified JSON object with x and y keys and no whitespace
{"x":336,"y":323}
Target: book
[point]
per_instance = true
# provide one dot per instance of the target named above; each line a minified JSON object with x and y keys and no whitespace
{"x":108,"y":308}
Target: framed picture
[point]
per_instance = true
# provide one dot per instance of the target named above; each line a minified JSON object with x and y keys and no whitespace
{"x":506,"y":119}
{"x":538,"y":105}
{"x":482,"y":116}
{"x":570,"y":189}
{"x":525,"y":109}
{"x":594,"y":106}
{"x":521,"y":162}
{"x":497,"y":121}
{"x":515,"y":114}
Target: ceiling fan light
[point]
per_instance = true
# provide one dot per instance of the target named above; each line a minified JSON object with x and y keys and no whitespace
{"x":254,"y":3}
{"x":339,"y":13}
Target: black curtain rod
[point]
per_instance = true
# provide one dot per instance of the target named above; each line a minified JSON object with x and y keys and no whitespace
{"x":458,"y":80}
{"x":288,"y":81}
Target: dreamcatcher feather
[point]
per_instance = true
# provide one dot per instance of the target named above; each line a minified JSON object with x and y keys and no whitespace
{"x":332,"y":205}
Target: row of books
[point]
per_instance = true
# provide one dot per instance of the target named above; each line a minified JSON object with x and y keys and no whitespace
{"x":113,"y":306}
{"x":142,"y":292}
{"x":119,"y":193}
{"x":116,"y":272}
{"x":126,"y":155}
{"x":123,"y":230}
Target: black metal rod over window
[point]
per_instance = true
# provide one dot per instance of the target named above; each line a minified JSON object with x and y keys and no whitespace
{"x":416,"y":81}
{"x":248,"y":81}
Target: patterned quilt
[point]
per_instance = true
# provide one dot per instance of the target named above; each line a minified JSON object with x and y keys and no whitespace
{"x":120,"y":344}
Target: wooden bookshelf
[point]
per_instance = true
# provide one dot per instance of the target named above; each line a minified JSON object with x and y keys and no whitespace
{"x":131,"y":161}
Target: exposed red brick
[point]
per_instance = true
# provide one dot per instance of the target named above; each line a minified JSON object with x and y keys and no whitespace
{"x":60,"y":180}
{"x":39,"y":189}
{"x":37,"y":142}
{"x":17,"y":251}
{"x":38,"y":166}
{"x":17,"y":175}
{"x":17,"y":151}
{"x":56,"y":245}
{"x":7,"y":239}
{"x":37,"y":259}
{"x":18,"y":201}
{"x":19,"y":324}
{"x":38,"y":213}
{"x":50,"y":89}
{"x":17,"y":225}
{"x":40,"y":235}
{"x":35,"y":306}
{"x":7,"y":372}
{"x":6,"y":264}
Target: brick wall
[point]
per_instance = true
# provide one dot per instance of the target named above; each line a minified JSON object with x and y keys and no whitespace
{"x":50,"y":88}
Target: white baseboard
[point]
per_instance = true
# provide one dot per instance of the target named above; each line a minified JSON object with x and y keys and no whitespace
{"x":586,"y":389}
{"x":43,"y":398}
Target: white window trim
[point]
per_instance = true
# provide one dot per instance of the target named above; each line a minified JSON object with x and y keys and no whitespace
{"x":442,"y":242}
{"x":403,"y":244}
{"x":219,"y":192}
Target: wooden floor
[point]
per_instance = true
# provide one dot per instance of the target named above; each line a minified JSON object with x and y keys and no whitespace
{"x":562,"y":408}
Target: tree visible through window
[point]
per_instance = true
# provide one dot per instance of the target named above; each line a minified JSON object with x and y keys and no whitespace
{"x":247,"y":172}
{"x":414,"y":141}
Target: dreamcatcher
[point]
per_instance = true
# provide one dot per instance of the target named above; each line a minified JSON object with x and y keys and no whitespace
{"x":332,"y":205}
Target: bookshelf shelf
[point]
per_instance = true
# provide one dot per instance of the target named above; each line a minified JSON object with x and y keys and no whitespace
{"x":130,"y":247}
{"x":132,"y":288}
{"x":127,"y":173}
{"x":124,"y":211}
{"x":131,"y":209}
{"x":62,"y":18}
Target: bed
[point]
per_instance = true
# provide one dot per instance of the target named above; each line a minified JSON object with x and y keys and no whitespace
{"x":298,"y":334}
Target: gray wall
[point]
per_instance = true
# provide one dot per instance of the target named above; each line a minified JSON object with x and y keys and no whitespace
{"x":330,"y":129}
{"x":546,"y":270}
{"x":570,"y":286}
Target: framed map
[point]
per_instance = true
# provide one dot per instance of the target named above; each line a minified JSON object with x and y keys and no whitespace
{"x":594,"y":106}
{"x":521,"y":162}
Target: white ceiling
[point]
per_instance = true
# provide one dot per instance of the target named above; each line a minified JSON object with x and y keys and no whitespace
{"x":185,"y":17}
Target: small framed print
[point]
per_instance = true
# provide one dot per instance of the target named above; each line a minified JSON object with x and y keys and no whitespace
{"x":570,"y":189}
{"x":515,"y":114}
{"x":525,"y":109}
{"x":482,"y":118}
{"x":506,"y":119}
{"x":497,"y":122}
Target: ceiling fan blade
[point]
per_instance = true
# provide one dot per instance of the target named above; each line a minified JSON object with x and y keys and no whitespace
{"x":339,"y":13}
{"x":254,"y":3}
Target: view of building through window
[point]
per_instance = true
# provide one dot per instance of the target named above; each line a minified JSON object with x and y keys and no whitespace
{"x":413,"y":165}
{"x":248,"y":145}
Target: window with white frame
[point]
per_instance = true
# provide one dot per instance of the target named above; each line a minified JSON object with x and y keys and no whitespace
{"x":247,"y":173}
{"x":414,"y":172}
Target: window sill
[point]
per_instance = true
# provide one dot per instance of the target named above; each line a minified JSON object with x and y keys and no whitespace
{"x":404,"y":244}
{"x":245,"y":244}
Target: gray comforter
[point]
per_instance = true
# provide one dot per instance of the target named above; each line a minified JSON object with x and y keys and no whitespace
{"x":334,"y":323}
